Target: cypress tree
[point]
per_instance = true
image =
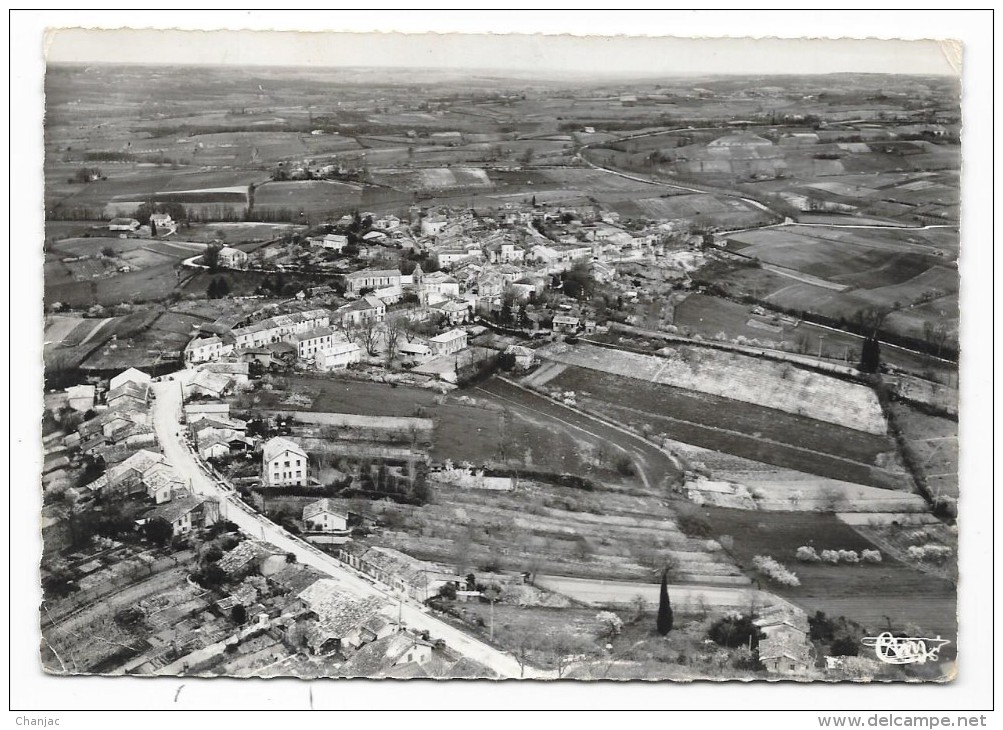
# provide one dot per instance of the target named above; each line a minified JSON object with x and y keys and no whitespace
{"x":213,"y":290}
{"x":664,"y":622}
{"x":870,"y":355}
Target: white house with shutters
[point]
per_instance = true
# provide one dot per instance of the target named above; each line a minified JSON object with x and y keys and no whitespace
{"x":283,"y":464}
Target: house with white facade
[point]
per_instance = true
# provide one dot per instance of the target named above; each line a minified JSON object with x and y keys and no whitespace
{"x":206,"y":349}
{"x":338,"y":356}
{"x":324,"y":516}
{"x":308,"y":344}
{"x":283,"y":464}
{"x":232,"y":258}
{"x":448,"y":342}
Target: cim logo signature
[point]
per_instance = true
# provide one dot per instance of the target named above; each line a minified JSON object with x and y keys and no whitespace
{"x":904,"y":649}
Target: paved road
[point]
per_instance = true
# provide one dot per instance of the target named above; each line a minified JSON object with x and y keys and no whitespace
{"x":166,"y":417}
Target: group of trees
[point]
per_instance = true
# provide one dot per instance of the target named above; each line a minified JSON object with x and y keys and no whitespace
{"x":218,"y":288}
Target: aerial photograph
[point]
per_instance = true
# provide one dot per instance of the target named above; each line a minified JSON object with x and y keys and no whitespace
{"x":367,"y":367}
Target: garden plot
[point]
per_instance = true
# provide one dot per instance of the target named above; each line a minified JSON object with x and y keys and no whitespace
{"x":746,"y":484}
{"x":739,"y":377}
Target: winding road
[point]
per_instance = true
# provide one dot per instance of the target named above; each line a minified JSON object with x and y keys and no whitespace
{"x":167,"y":410}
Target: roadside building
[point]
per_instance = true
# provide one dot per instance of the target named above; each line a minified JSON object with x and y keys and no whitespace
{"x":565,"y":323}
{"x":130,"y":375}
{"x":232,"y":258}
{"x":324,"y":516}
{"x":206,"y":349}
{"x":185,"y":513}
{"x":283,"y":464}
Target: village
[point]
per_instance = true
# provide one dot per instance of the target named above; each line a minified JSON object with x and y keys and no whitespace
{"x":412,"y":387}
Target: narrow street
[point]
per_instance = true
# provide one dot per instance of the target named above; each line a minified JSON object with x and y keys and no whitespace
{"x":167,"y":410}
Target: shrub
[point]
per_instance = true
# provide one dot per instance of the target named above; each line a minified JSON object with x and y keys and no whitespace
{"x":930,"y":553}
{"x":849,"y":556}
{"x":830,"y":556}
{"x":694,"y":526}
{"x":807,"y":554}
{"x":735,"y":630}
{"x":871,"y":556}
{"x":775,"y":571}
{"x":610,"y":625}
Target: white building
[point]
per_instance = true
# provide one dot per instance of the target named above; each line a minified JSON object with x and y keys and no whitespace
{"x":308,"y":344}
{"x":232,"y":258}
{"x":324,"y":516}
{"x":448,"y":342}
{"x":206,"y":349}
{"x":338,"y":356}
{"x":283,"y":464}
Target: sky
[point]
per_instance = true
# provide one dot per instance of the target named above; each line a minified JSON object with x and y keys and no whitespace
{"x":546,"y":54}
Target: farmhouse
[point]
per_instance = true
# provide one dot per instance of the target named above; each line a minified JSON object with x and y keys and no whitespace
{"x":232,"y":258}
{"x":371,"y":279}
{"x":123,"y":224}
{"x":161,"y":220}
{"x":323,"y":516}
{"x":448,"y":342}
{"x":283,"y":464}
{"x":338,"y":356}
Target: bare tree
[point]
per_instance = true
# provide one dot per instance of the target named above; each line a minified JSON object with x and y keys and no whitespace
{"x":367,"y":335}
{"x":393,"y":328}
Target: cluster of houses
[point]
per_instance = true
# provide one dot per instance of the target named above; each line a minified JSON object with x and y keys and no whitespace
{"x":119,"y":436}
{"x":363,"y":635}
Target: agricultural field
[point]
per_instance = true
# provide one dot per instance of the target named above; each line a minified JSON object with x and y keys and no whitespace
{"x":434,"y":179}
{"x":780,"y":386}
{"x":934,"y":442}
{"x":312,"y":197}
{"x":543,"y":528}
{"x":732,"y":427}
{"x":858,"y":591}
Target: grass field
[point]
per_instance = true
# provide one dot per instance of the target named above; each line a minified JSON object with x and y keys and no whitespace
{"x":713,"y":422}
{"x":310,"y":196}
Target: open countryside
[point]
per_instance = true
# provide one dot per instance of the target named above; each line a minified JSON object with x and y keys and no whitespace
{"x":430,"y":374}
